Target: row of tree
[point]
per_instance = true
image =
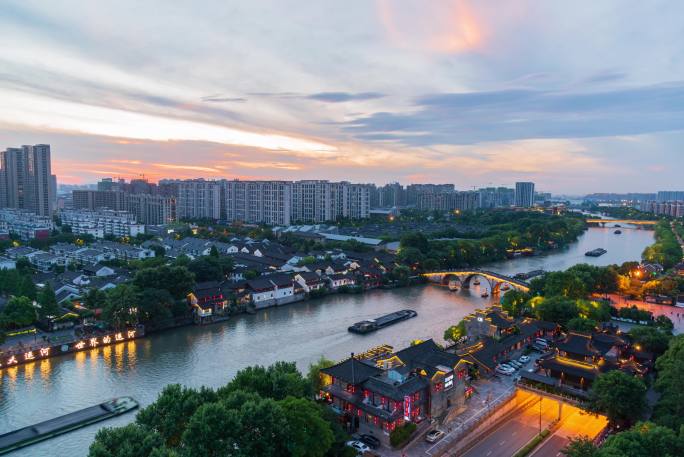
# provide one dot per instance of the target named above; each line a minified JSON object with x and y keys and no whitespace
{"x":666,"y":250}
{"x":506,"y":232}
{"x":266,"y":412}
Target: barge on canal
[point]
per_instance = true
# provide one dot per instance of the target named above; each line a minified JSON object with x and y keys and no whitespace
{"x":372,"y":325}
{"x":29,"y":435}
{"x":595,"y":252}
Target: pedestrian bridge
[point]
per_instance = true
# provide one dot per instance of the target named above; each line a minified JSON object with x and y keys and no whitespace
{"x":465,"y":276}
{"x":620,"y":221}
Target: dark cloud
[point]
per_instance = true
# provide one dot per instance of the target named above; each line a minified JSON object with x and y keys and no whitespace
{"x":218,"y":98}
{"x":338,"y":97}
{"x":508,"y":115}
{"x":329,"y":97}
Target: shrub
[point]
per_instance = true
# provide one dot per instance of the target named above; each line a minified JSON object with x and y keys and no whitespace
{"x":400,"y":435}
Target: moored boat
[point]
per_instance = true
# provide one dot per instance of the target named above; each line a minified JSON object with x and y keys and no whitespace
{"x":66,"y":423}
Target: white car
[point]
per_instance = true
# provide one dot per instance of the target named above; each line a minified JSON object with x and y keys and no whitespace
{"x":508,"y":366}
{"x":515,"y":364}
{"x":434,"y":436}
{"x":504,"y":371}
{"x":524,"y":359}
{"x":358,"y":446}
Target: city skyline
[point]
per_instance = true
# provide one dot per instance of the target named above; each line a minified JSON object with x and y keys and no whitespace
{"x":475,"y":94}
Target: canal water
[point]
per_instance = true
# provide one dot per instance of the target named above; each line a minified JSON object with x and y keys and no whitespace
{"x":211,"y":355}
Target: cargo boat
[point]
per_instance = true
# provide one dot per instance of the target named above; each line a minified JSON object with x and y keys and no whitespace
{"x":617,"y":232}
{"x":372,"y":325}
{"x":64,"y":424}
{"x":595,"y":253}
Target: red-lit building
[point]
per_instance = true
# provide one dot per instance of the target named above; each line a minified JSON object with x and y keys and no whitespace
{"x":417,"y":383}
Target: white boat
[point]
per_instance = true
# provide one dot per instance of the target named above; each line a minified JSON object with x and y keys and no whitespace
{"x":453,"y":286}
{"x":476,"y":282}
{"x":484,"y":294}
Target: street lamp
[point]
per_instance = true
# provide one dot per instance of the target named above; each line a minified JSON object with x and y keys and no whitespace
{"x":540,"y":415}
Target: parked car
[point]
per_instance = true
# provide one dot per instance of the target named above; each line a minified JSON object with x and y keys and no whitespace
{"x":434,"y":436}
{"x":506,"y":365}
{"x":370,"y":440}
{"x":514,"y":363}
{"x":358,"y":446}
{"x":505,"y":371}
{"x":540,"y":348}
{"x":524,"y":359}
{"x":541,"y":342}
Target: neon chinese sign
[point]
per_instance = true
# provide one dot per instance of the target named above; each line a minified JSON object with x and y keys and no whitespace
{"x":407,"y":407}
{"x":449,"y":381}
{"x":79,"y":345}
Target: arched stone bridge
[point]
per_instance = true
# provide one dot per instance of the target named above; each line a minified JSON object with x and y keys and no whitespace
{"x":464,"y":276}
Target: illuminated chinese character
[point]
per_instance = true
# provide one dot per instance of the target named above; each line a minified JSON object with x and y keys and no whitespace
{"x":131,"y":334}
{"x":118,"y":337}
{"x":106,"y":339}
{"x":12,"y":360}
{"x":93,"y":342}
{"x":44,"y":352}
{"x":29,"y":356}
{"x":80,"y":345}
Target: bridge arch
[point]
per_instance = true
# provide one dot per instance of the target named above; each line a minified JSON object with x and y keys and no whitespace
{"x":465,"y":276}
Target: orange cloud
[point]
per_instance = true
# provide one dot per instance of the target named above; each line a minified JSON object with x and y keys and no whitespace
{"x":448,"y":27}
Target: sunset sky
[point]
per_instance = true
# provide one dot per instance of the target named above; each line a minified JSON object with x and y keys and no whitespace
{"x":579,"y":96}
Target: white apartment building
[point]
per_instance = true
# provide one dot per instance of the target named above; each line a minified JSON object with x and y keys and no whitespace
{"x":25,"y":224}
{"x":316,"y":201}
{"x":101,"y":223}
{"x":26,"y":179}
{"x":199,"y":199}
{"x":257,"y":202}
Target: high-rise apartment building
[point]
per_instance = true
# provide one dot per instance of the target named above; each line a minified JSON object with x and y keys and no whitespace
{"x":257,"y":202}
{"x":496,"y":197}
{"x":414,"y":190}
{"x":199,"y":199}
{"x":670,"y":196}
{"x":150,"y":209}
{"x":26,"y":179}
{"x":316,"y":201}
{"x":524,"y":194}
{"x":448,"y":201}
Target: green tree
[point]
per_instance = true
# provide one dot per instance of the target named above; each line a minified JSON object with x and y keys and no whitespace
{"x":455,"y":332}
{"x":580,"y":447}
{"x":206,"y":269}
{"x":431,"y":264}
{"x":649,"y":339}
{"x":514,"y":302}
{"x":308,"y":434}
{"x":415,"y":240}
{"x":213,"y":252}
{"x":264,"y":426}
{"x":556,"y":309}
{"x":579,"y":324}
{"x":621,"y":397}
{"x":155,"y":305}
{"x":48,"y":303}
{"x":18,"y":312}
{"x":645,"y":439}
{"x":121,"y":306}
{"x":95,"y":298}
{"x":278,"y":381}
{"x":669,"y":410}
{"x":131,"y":440}
{"x":314,"y":374}
{"x":175,"y":279}
{"x":564,"y":284}
{"x":169,"y":414}
{"x":214,"y":430}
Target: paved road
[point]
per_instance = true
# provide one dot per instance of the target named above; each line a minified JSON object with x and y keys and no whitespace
{"x":552,"y":447}
{"x":513,"y":434}
{"x":575,"y":423}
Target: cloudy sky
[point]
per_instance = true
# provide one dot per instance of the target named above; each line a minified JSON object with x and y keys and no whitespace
{"x":578,"y":96}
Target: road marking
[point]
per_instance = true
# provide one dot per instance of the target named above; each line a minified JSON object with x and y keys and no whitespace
{"x":502,"y":443}
{"x":489,"y":453}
